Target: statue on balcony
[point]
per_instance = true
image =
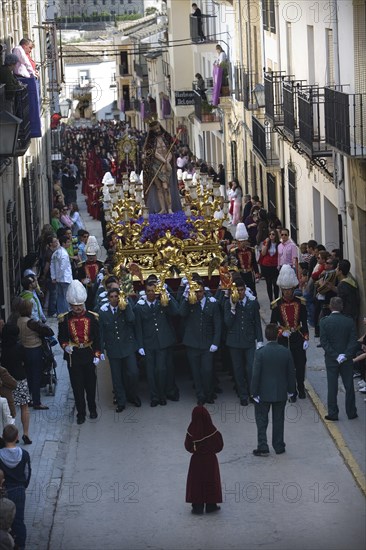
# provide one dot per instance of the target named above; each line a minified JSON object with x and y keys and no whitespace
{"x":159,"y":172}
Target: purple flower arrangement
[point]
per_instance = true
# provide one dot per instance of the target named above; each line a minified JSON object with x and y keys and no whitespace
{"x":177,"y":223}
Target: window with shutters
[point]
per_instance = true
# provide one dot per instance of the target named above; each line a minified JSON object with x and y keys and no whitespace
{"x":360,"y":69}
{"x":234,"y":159}
{"x":329,"y":56}
{"x":268,"y":15}
{"x":291,"y":176}
{"x":271,"y":193}
{"x":13,"y":250}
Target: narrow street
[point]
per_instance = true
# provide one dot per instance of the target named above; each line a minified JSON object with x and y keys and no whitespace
{"x":118,"y":482}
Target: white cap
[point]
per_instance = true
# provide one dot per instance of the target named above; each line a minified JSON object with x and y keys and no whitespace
{"x":241,"y":232}
{"x":179,"y":174}
{"x":76,"y":293}
{"x":92,"y":246}
{"x":108,"y":179}
{"x":287,"y":278}
{"x":134,"y":177}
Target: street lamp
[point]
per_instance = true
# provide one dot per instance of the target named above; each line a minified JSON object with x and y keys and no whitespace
{"x":258,"y":92}
{"x":64,"y":108}
{"x":9,"y":128}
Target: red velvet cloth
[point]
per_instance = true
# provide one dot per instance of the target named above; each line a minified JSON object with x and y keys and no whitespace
{"x":203,"y":440}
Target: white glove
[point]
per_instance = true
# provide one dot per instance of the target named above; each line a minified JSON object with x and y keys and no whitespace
{"x":226,"y":293}
{"x":286,"y":334}
{"x":186,"y":291}
{"x":213,"y":348}
{"x":289,"y":395}
{"x":102,"y":357}
{"x":96,"y":361}
{"x":249,"y":294}
{"x":86,"y":281}
{"x":260,"y":345}
{"x":184,"y":281}
{"x":256,"y":399}
{"x":305,"y":345}
{"x":341,"y":358}
{"x":68,"y":349}
{"x":142,"y":352}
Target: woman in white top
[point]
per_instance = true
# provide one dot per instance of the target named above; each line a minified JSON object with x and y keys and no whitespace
{"x":5,"y":416}
{"x":238,"y":197}
{"x":76,"y":218}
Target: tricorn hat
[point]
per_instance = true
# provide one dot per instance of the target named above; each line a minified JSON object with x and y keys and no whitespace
{"x":76,"y":293}
{"x":287,"y":277}
{"x":241,"y":232}
{"x":108,"y":179}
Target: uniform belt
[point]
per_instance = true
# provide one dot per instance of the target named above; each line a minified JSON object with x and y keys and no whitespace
{"x":246,"y":270}
{"x":81,"y":346}
{"x":289,"y":329}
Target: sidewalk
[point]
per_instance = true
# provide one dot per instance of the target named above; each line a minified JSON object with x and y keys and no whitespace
{"x":351,"y":431}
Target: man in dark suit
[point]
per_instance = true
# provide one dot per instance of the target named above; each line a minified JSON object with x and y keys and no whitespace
{"x":202,"y":332}
{"x":118,"y":339}
{"x":273,"y":380}
{"x":339,"y":341}
{"x":244,"y":328}
{"x":155,"y":336}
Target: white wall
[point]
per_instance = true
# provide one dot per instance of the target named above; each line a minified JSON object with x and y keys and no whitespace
{"x":101,"y":74}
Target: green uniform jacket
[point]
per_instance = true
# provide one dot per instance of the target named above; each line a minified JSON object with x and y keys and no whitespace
{"x":337,"y":335}
{"x":154,"y":328}
{"x":273,"y":374}
{"x":244,"y":327}
{"x":202,"y":327}
{"x":117,"y":335}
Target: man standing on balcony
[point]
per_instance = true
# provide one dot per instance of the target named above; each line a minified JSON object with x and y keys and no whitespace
{"x":197,"y":13}
{"x":160,"y":179}
{"x":24,"y":67}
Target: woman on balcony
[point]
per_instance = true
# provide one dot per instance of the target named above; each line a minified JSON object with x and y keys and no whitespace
{"x":7,"y":77}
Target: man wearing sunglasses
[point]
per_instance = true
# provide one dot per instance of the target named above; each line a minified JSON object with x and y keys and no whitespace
{"x":287,"y":251}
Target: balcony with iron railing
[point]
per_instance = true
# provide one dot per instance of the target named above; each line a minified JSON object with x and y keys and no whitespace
{"x":204,"y":111}
{"x":123,"y":70}
{"x":262,"y":143}
{"x":274,"y":82}
{"x":128,"y":105}
{"x":203,"y":29}
{"x":17,"y":104}
{"x":345,"y":124}
{"x":311,"y":122}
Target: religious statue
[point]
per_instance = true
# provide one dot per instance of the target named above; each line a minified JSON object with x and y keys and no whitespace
{"x":159,"y":173}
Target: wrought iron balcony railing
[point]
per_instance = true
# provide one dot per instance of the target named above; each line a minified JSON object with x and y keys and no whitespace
{"x":21,"y":110}
{"x":311,"y":122}
{"x":130,"y":105}
{"x":290,"y":90}
{"x":243,"y":84}
{"x":262,"y":143}
{"x":345,"y":125}
{"x":204,"y":111}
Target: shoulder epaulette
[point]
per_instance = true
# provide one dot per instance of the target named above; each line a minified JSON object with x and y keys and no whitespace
{"x":275,"y":303}
{"x":96,"y":315}
{"x":61,"y":317}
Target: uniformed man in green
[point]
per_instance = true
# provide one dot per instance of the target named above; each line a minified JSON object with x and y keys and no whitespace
{"x":202,"y":332}
{"x":155,"y":336}
{"x":244,"y":334}
{"x":117,"y":337}
{"x":273,"y":381}
{"x":339,"y":341}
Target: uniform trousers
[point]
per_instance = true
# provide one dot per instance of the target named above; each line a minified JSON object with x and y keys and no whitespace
{"x":242,"y":360}
{"x":201,"y":363}
{"x":345,"y":371}
{"x":156,"y":371}
{"x":261,"y":410}
{"x":124,"y":377}
{"x":83,"y":379}
{"x":299,"y":357}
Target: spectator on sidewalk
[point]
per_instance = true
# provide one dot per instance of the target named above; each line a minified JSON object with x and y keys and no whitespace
{"x":61,"y":273}
{"x":29,"y":293}
{"x":287,"y":251}
{"x":204,"y":441}
{"x":50,"y":288}
{"x":7,"y":382}
{"x":347,"y":289}
{"x":15,"y":463}
{"x":31,"y":334}
{"x":7,"y":515}
{"x":268,"y":261}
{"x":338,"y":339}
{"x":55,"y":219}
{"x":65,"y":218}
{"x":78,"y":223}
{"x":13,"y":359}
